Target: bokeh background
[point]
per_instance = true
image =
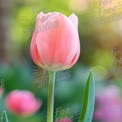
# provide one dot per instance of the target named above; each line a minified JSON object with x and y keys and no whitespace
{"x":100,"y":32}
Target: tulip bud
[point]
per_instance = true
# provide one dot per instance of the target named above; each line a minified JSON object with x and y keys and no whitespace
{"x":22,"y":103}
{"x":55,"y":42}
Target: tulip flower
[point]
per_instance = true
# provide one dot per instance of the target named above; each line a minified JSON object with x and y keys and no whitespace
{"x":109,"y":105}
{"x":55,"y":46}
{"x":55,"y":42}
{"x":22,"y":103}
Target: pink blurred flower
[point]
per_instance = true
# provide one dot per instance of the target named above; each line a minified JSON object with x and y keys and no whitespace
{"x":22,"y":103}
{"x":1,"y":91}
{"x":55,"y":42}
{"x":109,"y":105}
{"x":64,"y":120}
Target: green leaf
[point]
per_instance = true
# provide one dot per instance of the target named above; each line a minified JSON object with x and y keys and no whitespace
{"x":4,"y":117}
{"x":89,"y":100}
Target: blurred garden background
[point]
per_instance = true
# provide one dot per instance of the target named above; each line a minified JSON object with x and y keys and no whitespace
{"x":100,"y":32}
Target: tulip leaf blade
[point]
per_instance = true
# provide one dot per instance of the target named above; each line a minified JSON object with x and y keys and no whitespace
{"x":4,"y":117}
{"x":88,"y":101}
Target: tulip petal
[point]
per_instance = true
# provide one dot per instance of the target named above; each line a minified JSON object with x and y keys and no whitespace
{"x":74,"y":20}
{"x":58,"y":43}
{"x":34,"y":52}
{"x":33,"y":48}
{"x":39,"y":21}
{"x":75,"y":58}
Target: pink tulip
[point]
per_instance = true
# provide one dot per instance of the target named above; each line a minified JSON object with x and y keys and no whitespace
{"x":22,"y":103}
{"x":55,"y":42}
{"x":109,"y":105}
{"x":64,"y":120}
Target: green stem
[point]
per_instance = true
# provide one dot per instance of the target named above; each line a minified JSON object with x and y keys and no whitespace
{"x":51,"y":96}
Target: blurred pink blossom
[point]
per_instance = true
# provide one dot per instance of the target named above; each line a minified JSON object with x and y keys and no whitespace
{"x":22,"y":103}
{"x":109,"y":105}
{"x":64,"y":120}
{"x":1,"y":91}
